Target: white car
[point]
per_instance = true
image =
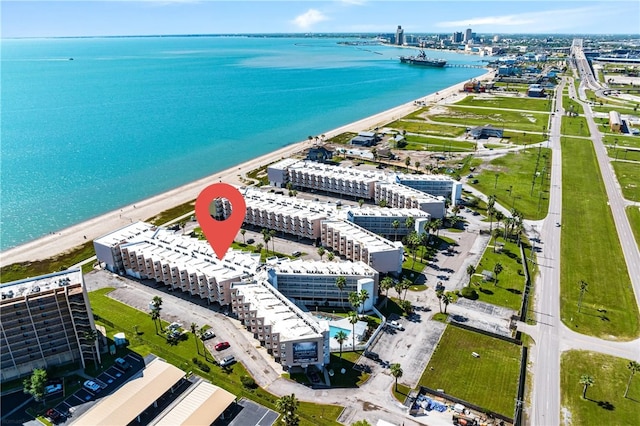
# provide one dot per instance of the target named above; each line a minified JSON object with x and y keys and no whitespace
{"x":396,"y":325}
{"x":92,"y":386}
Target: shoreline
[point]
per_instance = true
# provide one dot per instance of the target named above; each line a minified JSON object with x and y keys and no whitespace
{"x":64,"y":240}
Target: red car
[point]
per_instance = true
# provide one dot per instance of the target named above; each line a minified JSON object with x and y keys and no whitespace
{"x":222,"y":346}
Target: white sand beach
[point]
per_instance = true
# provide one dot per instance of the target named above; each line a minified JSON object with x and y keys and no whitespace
{"x":68,"y":238}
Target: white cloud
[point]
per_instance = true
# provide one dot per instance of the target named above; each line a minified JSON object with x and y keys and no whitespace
{"x":309,"y":18}
{"x":354,"y":2}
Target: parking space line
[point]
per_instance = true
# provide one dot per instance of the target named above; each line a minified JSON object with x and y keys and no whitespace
{"x":107,"y":374}
{"x":78,"y":398}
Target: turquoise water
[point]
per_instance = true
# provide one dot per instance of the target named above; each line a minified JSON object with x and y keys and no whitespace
{"x":334,"y":330}
{"x":129,"y":118}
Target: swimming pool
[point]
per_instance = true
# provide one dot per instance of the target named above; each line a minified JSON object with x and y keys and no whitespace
{"x":333,"y":330}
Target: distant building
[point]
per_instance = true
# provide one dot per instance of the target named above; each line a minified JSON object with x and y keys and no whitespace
{"x":468,"y":35}
{"x":380,"y":220}
{"x":436,"y":185}
{"x":404,"y":197}
{"x":486,"y":131}
{"x":320,"y":154}
{"x":43,"y":321}
{"x":365,"y":139}
{"x":399,"y":36}
{"x":457,"y":37}
{"x":536,"y":91}
{"x":615,"y":122}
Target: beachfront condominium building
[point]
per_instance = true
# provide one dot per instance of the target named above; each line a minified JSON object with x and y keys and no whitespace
{"x":382,"y":221}
{"x":399,"y":36}
{"x":180,"y":262}
{"x":438,"y":185}
{"x":292,"y":337}
{"x":313,"y":283}
{"x":107,"y":247}
{"x":44,"y":321}
{"x":358,"y":244}
{"x":401,"y":196}
{"x":468,"y":35}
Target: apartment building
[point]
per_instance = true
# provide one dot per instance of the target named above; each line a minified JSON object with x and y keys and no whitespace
{"x":313,"y":283}
{"x":182,"y":263}
{"x":381,"y":220}
{"x":401,"y":196}
{"x":107,"y":247}
{"x":289,"y":335}
{"x":43,"y":321}
{"x":438,"y":185}
{"x":358,"y":244}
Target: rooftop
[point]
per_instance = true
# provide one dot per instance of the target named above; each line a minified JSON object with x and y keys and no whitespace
{"x":421,"y":197}
{"x":125,"y":233}
{"x":300,"y":266}
{"x":41,"y":283}
{"x":388,"y":212}
{"x":288,"y":206}
{"x":372,"y":242}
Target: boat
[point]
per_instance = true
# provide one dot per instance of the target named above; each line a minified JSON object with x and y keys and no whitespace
{"x":422,"y":60}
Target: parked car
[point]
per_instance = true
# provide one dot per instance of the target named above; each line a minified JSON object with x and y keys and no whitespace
{"x":396,"y":325}
{"x":251,"y":241}
{"x":122,"y":363}
{"x":314,"y":377}
{"x":55,"y":388}
{"x":92,"y":386}
{"x":209,"y":334}
{"x":227,"y":361}
{"x":53,"y":415}
{"x":371,"y":355}
{"x":222,"y":346}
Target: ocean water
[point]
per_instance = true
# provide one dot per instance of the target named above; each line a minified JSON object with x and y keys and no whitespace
{"x":129,"y":118}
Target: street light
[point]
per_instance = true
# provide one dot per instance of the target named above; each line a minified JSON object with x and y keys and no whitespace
{"x":615,"y":147}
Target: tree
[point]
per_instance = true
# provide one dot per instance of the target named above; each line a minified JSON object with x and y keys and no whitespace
{"x":404,"y":285}
{"x":272,"y":234}
{"x":242,"y":232}
{"x":583,"y":288}
{"x":413,"y":241}
{"x":155,"y":316}
{"x":470,"y":271}
{"x":288,"y":407}
{"x":497,"y":268}
{"x":156,"y":302}
{"x":439,"y":295}
{"x":396,"y":371}
{"x":354,"y":300}
{"x":490,"y":213}
{"x":353,"y":320}
{"x":409,"y":222}
{"x":340,"y":336}
{"x":364,"y":296}
{"x":634,"y":367}
{"x":360,"y":202}
{"x":194,"y":331}
{"x":407,"y":162}
{"x":321,"y":252}
{"x":266,"y":238}
{"x":406,"y":306}
{"x":34,"y":385}
{"x":499,"y":217}
{"x":385,"y":284}
{"x":447,"y":299}
{"x":417,"y":164}
{"x":437,"y":224}
{"x":259,"y":247}
{"x":395,"y":225}
{"x":587,"y":381}
{"x":341,"y":283}
{"x":91,"y":336}
{"x":331,"y":256}
{"x":361,"y":423}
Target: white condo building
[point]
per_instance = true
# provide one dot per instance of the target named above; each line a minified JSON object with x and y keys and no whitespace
{"x":178,"y":261}
{"x":358,"y":244}
{"x":438,"y":185}
{"x":401,"y":196}
{"x":380,"y":220}
{"x":289,"y":335}
{"x":313,"y":283}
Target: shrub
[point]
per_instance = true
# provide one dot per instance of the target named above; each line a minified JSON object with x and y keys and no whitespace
{"x":469,"y":293}
{"x":204,"y":367}
{"x":248,"y":382}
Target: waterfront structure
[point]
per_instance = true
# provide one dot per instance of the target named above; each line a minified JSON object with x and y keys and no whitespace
{"x":615,"y":122}
{"x":319,"y":153}
{"x":180,"y":262}
{"x":380,"y":220}
{"x":486,"y":131}
{"x":402,"y":196}
{"x":358,"y":244}
{"x":438,"y":185}
{"x":44,"y":321}
{"x":365,"y":139}
{"x":107,"y":247}
{"x":288,"y":334}
{"x":313,"y":283}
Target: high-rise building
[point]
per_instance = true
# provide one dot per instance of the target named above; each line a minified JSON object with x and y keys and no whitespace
{"x":399,"y":36}
{"x":44,"y":321}
{"x":457,"y":37}
{"x":468,"y":35}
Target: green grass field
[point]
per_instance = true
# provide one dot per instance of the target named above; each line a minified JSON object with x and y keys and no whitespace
{"x":425,"y":128}
{"x":628,"y":141}
{"x":567,"y":103}
{"x":591,"y":252}
{"x":510,"y":286}
{"x":489,"y":381}
{"x":624,"y":154}
{"x":574,"y":126}
{"x":418,"y":143}
{"x":514,"y":120}
{"x":507,"y":102}
{"x":621,"y":109}
{"x":513,"y":186}
{"x":522,"y":138}
{"x":124,"y":318}
{"x":605,"y":404}
{"x":629,"y":178}
{"x":633,"y":213}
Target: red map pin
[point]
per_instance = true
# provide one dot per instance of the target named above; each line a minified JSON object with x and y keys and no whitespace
{"x":220,"y":233}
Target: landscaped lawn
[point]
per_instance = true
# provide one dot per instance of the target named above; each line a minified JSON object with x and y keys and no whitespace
{"x":124,"y":318}
{"x":420,"y":143}
{"x":522,"y":138}
{"x":629,"y":178}
{"x":567,"y":103}
{"x":515,"y":120}
{"x":510,"y":286}
{"x":574,"y":126}
{"x":489,"y":381}
{"x":630,"y":141}
{"x":513,"y":185}
{"x":633,"y":213}
{"x":591,"y":251}
{"x":426,"y":128}
{"x":624,"y":154}
{"x":605,"y":404}
{"x":508,"y":102}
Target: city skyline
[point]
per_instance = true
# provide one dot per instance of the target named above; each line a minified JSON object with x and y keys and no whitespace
{"x":179,"y":17}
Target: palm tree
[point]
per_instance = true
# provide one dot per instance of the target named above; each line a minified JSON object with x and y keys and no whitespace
{"x":406,"y":306}
{"x":404,"y":285}
{"x":583,"y":288}
{"x":330,"y":256}
{"x":288,"y":407}
{"x":439,"y":295}
{"x":499,"y":217}
{"x":634,"y":367}
{"x":272,"y":234}
{"x":341,"y":283}
{"x":360,"y":202}
{"x":156,"y":302}
{"x":266,"y":238}
{"x":497,"y":268}
{"x":194,"y":331}
{"x":490,"y":213}
{"x":437,"y":225}
{"x":395,"y":225}
{"x":409,"y":222}
{"x":242,"y":232}
{"x":364,"y":296}
{"x":155,"y":316}
{"x":587,"y":381}
{"x":447,"y":298}
{"x":396,"y":371}
{"x":407,"y":162}
{"x":340,"y":336}
{"x":385,"y":284}
{"x":91,"y":336}
{"x":259,"y":247}
{"x":321,"y":252}
{"x":354,"y":300}
{"x":470,"y":271}
{"x":417,"y":164}
{"x":353,"y":320}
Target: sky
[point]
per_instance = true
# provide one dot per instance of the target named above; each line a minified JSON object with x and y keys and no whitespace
{"x":26,"y":18}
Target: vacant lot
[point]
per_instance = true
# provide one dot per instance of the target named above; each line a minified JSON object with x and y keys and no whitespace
{"x":633,"y":213}
{"x":489,"y":381}
{"x":591,"y":252}
{"x":574,"y":126}
{"x":629,"y":178}
{"x":507,"y":102}
{"x":515,"y":120}
{"x":425,"y":128}
{"x":605,"y":404}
